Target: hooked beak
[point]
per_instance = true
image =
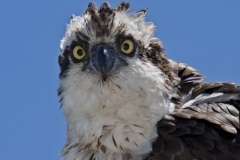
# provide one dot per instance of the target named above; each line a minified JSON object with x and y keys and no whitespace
{"x":103,"y":60}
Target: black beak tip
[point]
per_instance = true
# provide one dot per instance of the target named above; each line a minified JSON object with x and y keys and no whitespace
{"x":104,"y":77}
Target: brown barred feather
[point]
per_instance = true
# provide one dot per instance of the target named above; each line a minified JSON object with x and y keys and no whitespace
{"x":200,"y":131}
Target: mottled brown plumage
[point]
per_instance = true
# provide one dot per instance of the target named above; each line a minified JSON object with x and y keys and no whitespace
{"x":200,"y":131}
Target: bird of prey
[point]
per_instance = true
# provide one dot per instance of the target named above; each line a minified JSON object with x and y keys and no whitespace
{"x":123,"y":99}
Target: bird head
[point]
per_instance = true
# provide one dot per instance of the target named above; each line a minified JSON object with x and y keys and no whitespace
{"x":110,"y":51}
{"x":103,"y":41}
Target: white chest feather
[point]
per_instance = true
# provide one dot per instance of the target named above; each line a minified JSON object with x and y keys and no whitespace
{"x":114,"y":119}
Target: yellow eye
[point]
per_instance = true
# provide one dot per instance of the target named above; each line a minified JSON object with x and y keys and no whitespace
{"x":127,"y":46}
{"x":78,"y":53}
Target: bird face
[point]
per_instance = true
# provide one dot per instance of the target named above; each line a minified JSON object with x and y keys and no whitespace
{"x":110,"y":54}
{"x":103,"y":59}
{"x":103,"y":41}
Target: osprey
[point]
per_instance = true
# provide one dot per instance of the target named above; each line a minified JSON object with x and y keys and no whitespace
{"x":123,"y":99}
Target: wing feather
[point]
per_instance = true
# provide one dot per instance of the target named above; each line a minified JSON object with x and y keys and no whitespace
{"x":205,"y":123}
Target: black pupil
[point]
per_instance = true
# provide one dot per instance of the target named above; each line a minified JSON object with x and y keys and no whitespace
{"x":80,"y":52}
{"x":126,"y":46}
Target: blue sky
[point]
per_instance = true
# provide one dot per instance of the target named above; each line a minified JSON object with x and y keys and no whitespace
{"x":204,"y":34}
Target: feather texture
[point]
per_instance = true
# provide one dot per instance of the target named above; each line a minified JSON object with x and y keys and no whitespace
{"x":206,"y":126}
{"x":147,"y":106}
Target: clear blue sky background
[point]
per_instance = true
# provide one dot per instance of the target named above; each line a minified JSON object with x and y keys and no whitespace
{"x":205,"y":34}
